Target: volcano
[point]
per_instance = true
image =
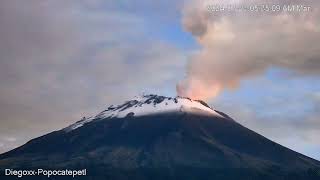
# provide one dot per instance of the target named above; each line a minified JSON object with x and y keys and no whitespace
{"x":158,"y":137}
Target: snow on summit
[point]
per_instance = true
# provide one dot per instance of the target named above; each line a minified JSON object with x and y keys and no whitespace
{"x":151,"y":104}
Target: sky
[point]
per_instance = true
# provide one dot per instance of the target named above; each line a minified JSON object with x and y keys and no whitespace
{"x":62,"y":60}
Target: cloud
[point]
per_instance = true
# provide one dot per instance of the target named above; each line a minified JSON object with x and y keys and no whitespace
{"x":300,"y":134}
{"x":64,"y":60}
{"x":287,"y":114}
{"x":236,"y":46}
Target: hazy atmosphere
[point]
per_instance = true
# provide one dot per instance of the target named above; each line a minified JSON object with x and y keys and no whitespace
{"x":62,"y":60}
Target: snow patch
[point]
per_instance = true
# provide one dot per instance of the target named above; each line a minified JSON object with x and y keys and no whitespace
{"x":150,"y":104}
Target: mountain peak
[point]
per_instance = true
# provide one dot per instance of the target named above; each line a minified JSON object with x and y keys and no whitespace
{"x":152,"y":104}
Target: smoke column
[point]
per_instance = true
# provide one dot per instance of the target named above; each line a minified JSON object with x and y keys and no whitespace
{"x":240,"y":45}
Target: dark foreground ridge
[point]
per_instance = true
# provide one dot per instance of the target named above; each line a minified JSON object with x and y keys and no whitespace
{"x":163,"y":146}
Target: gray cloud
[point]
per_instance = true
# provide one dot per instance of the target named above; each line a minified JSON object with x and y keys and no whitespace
{"x":287,"y":114}
{"x":301,"y":135}
{"x":240,"y":45}
{"x":61,"y":60}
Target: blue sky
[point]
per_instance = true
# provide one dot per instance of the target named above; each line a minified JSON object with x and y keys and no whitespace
{"x":97,"y":53}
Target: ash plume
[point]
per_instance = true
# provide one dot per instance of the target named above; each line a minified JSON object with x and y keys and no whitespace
{"x":241,"y":45}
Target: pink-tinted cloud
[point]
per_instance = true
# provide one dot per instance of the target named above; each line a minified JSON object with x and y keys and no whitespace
{"x":241,"y":45}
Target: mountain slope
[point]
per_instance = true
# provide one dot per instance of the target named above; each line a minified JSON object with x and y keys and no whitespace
{"x":187,"y":140}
